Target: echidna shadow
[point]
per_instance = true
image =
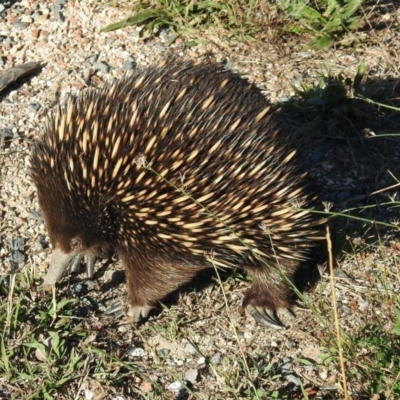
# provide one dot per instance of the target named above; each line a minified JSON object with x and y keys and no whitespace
{"x":178,"y":167}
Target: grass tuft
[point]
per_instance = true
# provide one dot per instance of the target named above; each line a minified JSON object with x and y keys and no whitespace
{"x":237,"y":20}
{"x":328,"y":21}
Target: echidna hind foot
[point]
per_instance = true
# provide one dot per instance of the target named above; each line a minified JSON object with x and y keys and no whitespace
{"x":265,"y":299}
{"x":136,"y":313}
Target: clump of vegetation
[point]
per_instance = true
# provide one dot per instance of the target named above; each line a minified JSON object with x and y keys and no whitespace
{"x":383,"y":352}
{"x":332,"y":91}
{"x":328,"y":21}
{"x":37,"y":355}
{"x":184,"y":19}
{"x":329,"y":105}
{"x":46,"y":351}
{"x":380,"y":352}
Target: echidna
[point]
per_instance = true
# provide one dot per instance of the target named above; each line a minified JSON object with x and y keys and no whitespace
{"x":177,"y":167}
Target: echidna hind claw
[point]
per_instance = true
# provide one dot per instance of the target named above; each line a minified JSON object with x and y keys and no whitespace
{"x":287,"y":313}
{"x":138,"y":312}
{"x":265,"y":317}
{"x":135,"y":312}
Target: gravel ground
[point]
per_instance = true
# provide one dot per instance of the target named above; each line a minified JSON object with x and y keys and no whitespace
{"x":65,"y":38}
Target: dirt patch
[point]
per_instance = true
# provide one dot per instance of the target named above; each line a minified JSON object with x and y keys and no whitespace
{"x":222,"y":347}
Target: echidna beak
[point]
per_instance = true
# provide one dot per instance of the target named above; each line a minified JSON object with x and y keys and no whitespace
{"x":58,"y":264}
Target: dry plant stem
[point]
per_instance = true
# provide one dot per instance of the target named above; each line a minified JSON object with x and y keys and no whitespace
{"x":393,"y":176}
{"x":385,"y":189}
{"x":9,"y":302}
{"x":335,"y":314}
{"x":53,"y":290}
{"x":83,"y":379}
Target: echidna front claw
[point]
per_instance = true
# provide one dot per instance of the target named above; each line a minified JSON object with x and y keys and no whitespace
{"x":135,"y":312}
{"x":74,"y":265}
{"x":265,"y":317}
{"x":90,"y":262}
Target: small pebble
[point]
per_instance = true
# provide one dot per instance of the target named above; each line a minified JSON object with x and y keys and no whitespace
{"x":42,"y":17}
{"x":41,"y":242}
{"x":175,"y":386}
{"x":26,"y":19}
{"x":77,"y":289}
{"x":201,"y":361}
{"x":291,"y":344}
{"x":363,"y":305}
{"x":191,"y":375}
{"x":58,"y":10}
{"x":163,"y":353}
{"x":20,"y":25}
{"x":6,"y":133}
{"x":285,"y":366}
{"x":216,"y":359}
{"x":17,"y":244}
{"x":35,"y":15}
{"x":293,"y":379}
{"x":35,"y":106}
{"x":189,"y":348}
{"x":102,"y":67}
{"x":129,"y":64}
{"x":93,"y":58}
{"x":136,"y":352}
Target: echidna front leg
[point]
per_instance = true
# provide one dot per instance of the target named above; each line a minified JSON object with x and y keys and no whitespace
{"x":139,"y":307}
{"x":268,"y":293}
{"x":150,"y":280}
{"x":140,"y":302}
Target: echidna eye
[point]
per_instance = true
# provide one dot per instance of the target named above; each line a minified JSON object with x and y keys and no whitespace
{"x":75,"y":244}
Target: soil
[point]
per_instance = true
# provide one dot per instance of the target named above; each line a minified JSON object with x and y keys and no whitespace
{"x":351,"y":168}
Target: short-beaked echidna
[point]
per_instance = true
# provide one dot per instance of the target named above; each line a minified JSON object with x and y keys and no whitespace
{"x":176,"y":167}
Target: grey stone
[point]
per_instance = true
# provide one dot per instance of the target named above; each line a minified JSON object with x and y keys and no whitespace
{"x":191,"y":375}
{"x":102,"y":67}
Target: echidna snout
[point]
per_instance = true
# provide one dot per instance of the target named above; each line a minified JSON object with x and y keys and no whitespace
{"x":167,"y":166}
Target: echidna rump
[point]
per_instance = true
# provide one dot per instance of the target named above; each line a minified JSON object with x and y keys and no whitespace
{"x":177,"y":167}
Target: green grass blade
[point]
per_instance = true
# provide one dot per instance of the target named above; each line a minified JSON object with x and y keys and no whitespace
{"x":135,"y":20}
